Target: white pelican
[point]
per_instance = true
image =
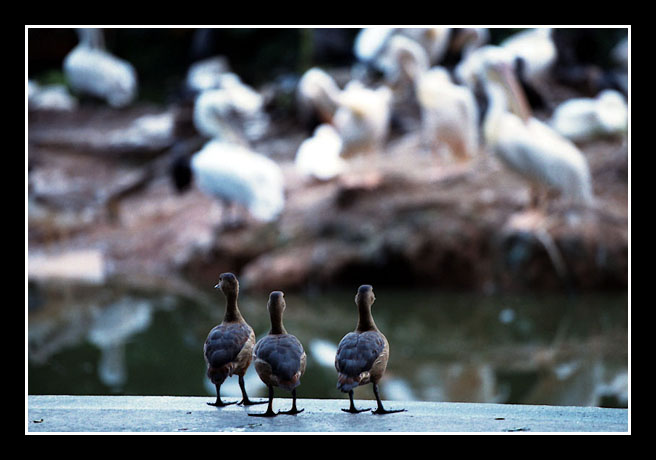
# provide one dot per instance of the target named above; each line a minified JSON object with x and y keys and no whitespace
{"x":371,"y":44}
{"x":465,"y":40}
{"x":536,"y":48}
{"x":206,"y":74}
{"x":232,"y":107}
{"x":402,"y":60}
{"x":317,"y":93}
{"x":529,"y":147}
{"x":92,"y":70}
{"x":244,"y":98}
{"x":212,"y":116}
{"x":235,"y":175}
{"x":319,"y":155}
{"x":363,"y":116}
{"x":471,"y":67}
{"x":620,"y":53}
{"x":434,"y":41}
{"x":531,"y":50}
{"x":449,"y":113}
{"x":49,"y":97}
{"x":620,"y":57}
{"x":581,"y":119}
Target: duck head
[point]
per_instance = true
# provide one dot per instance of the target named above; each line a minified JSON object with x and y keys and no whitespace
{"x":365,"y":295}
{"x":228,"y":284}
{"x":364,"y":299}
{"x":276,"y":302}
{"x":276,"y":307}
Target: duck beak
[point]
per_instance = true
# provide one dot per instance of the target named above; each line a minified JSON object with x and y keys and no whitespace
{"x":516,"y":96}
{"x":218,"y":286}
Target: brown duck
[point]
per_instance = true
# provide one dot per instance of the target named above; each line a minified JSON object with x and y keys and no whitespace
{"x":362,"y":354}
{"x":279,"y":357}
{"x":228,"y":348}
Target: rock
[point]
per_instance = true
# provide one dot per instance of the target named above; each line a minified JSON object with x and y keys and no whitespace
{"x":50,"y":97}
{"x":138,"y":131}
{"x":72,"y":265}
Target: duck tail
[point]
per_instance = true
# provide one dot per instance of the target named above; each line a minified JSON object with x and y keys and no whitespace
{"x":346,"y":383}
{"x":218,"y":374}
{"x":292,"y":383}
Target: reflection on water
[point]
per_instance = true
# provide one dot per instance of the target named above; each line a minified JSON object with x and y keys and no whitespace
{"x":545,"y":349}
{"x":111,"y":329}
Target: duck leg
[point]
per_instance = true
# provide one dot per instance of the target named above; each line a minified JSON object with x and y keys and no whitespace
{"x":381,"y":410}
{"x":218,"y":402}
{"x":245,"y":401}
{"x":352,"y":408}
{"x":293,"y":410}
{"x":269,"y":412}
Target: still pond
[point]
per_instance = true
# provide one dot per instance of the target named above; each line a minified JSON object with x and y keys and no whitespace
{"x":445,"y":346}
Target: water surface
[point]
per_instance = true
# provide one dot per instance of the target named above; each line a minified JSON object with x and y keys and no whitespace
{"x":445,"y":346}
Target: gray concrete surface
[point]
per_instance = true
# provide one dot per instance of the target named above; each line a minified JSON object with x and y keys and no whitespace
{"x":192,"y":414}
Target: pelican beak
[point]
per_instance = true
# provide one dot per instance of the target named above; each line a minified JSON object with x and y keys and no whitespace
{"x":516,"y":96}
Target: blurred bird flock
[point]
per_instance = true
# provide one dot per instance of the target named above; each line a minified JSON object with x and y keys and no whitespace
{"x":483,"y":161}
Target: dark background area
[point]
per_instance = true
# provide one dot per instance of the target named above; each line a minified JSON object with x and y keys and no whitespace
{"x":163,"y":56}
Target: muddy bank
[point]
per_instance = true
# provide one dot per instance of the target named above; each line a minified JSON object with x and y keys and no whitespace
{"x":403,"y":217}
{"x":99,"y":181}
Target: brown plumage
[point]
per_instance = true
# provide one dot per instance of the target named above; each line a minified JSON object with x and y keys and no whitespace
{"x":279,"y":357}
{"x":362,"y":354}
{"x":228,"y":348}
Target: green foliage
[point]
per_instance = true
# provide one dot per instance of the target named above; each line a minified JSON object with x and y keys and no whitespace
{"x":52,"y":77}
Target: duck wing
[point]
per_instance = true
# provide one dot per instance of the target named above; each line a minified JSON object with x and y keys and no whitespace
{"x":285,"y":357}
{"x":356,"y":354}
{"x":222,"y":346}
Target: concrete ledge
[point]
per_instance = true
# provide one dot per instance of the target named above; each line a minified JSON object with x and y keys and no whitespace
{"x":192,"y":414}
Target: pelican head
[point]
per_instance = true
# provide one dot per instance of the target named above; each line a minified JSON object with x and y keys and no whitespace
{"x":500,"y":72}
{"x":408,"y":59}
{"x":362,"y":101}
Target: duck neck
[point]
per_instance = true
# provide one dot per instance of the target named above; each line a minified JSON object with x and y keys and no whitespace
{"x":365,"y":319}
{"x":276,"y":323}
{"x":232,"y":314}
